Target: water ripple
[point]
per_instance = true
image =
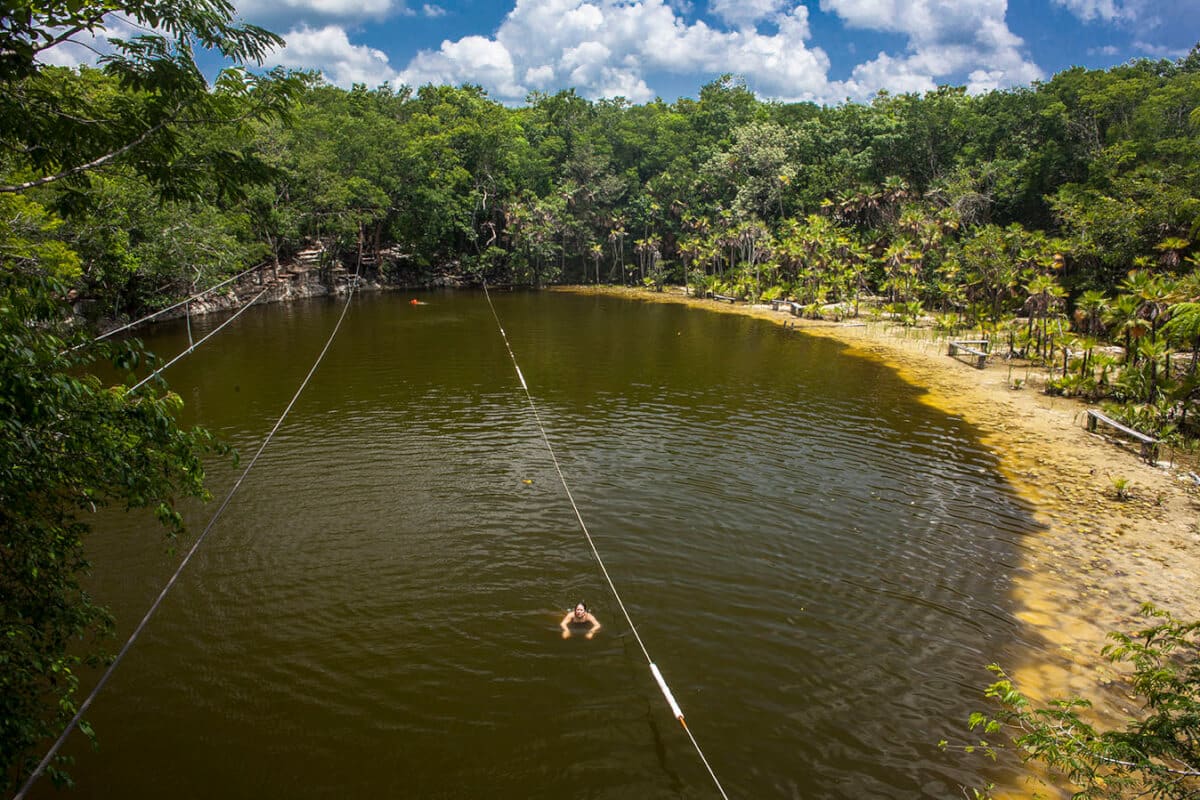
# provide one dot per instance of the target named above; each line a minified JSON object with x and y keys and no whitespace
{"x":817,"y":561}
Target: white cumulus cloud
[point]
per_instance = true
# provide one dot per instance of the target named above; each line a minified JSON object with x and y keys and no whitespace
{"x":606,"y":48}
{"x":85,"y":48}
{"x":897,"y":75}
{"x":746,"y":13}
{"x":921,"y":20}
{"x":472,"y":59}
{"x":1157,"y":28}
{"x":329,"y":50}
{"x":1088,"y":10}
{"x":1154,"y":50}
{"x":946,"y":38}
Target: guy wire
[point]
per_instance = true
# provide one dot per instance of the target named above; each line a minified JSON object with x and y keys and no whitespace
{"x":161,"y":311}
{"x":583,"y":526}
{"x":87,"y":703}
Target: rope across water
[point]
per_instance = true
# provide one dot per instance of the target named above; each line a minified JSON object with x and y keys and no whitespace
{"x":87,"y":703}
{"x":161,"y":311}
{"x":192,"y":346}
{"x":654,"y":671}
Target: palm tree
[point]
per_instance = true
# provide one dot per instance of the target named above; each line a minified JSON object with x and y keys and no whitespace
{"x":1153,"y":293}
{"x":992,"y":278}
{"x":616,"y":238}
{"x":1045,"y":299}
{"x":1090,"y":311}
{"x":894,"y":259}
{"x":1152,"y":352}
{"x":752,"y":239}
{"x":648,"y":254}
{"x":641,"y":249}
{"x":597,"y":253}
{"x":894,"y":189}
{"x":1149,"y":297}
{"x":1088,"y":345}
{"x":1121,"y":318}
{"x":1171,"y":249}
{"x":858,"y":262}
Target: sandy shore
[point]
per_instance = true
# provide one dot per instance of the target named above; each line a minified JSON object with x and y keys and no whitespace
{"x":1099,"y":558}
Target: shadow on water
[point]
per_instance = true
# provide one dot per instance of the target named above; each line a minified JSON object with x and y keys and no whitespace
{"x":818,"y":562}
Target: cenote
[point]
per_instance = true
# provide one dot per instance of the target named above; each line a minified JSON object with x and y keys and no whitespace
{"x":819,"y":563}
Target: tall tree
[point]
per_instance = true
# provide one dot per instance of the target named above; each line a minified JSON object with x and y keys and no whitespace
{"x":71,"y":442}
{"x":64,"y":129}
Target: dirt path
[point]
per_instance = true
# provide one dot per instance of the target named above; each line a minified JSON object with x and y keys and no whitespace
{"x":1099,"y":558}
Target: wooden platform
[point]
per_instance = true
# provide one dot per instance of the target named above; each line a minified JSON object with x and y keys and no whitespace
{"x":976,"y":348}
{"x":791,"y":305}
{"x":1148,"y":444}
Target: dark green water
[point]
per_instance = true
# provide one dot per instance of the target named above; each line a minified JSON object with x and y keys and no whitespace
{"x":818,"y":563}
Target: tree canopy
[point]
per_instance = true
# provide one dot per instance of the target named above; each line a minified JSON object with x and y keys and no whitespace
{"x":90,"y":160}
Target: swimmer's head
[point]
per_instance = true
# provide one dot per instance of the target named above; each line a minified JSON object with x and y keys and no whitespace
{"x":580,"y":610}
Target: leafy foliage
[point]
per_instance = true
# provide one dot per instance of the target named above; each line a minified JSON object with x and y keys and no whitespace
{"x":148,"y":121}
{"x":70,"y":444}
{"x":141,"y":108}
{"x":1154,"y":755}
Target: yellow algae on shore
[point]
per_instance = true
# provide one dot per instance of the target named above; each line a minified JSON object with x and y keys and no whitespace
{"x":1097,"y":558}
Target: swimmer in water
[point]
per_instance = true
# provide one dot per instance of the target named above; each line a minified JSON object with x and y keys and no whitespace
{"x":578,"y":617}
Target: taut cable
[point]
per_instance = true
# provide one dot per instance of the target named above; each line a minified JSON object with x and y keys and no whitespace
{"x":658,"y":678}
{"x":87,"y":703}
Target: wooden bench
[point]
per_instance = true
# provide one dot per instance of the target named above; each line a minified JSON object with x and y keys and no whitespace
{"x":791,"y":305}
{"x":723,"y":297}
{"x":1148,"y":444}
{"x":976,"y":348}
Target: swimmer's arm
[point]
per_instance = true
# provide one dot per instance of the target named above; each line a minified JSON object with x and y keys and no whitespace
{"x":565,"y":625}
{"x":595,"y":626}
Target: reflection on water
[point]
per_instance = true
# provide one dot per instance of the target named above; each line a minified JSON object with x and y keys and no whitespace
{"x":818,"y":563}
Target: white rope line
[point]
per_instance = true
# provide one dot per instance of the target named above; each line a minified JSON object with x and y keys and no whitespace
{"x":658,"y":678}
{"x":193,"y":346}
{"x":161,"y":311}
{"x":86,"y":704}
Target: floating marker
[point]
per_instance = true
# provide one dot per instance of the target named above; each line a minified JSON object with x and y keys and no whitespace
{"x":583,"y":526}
{"x":666,"y":692}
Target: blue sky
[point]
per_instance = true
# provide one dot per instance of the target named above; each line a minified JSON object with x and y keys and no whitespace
{"x":821,"y":50}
